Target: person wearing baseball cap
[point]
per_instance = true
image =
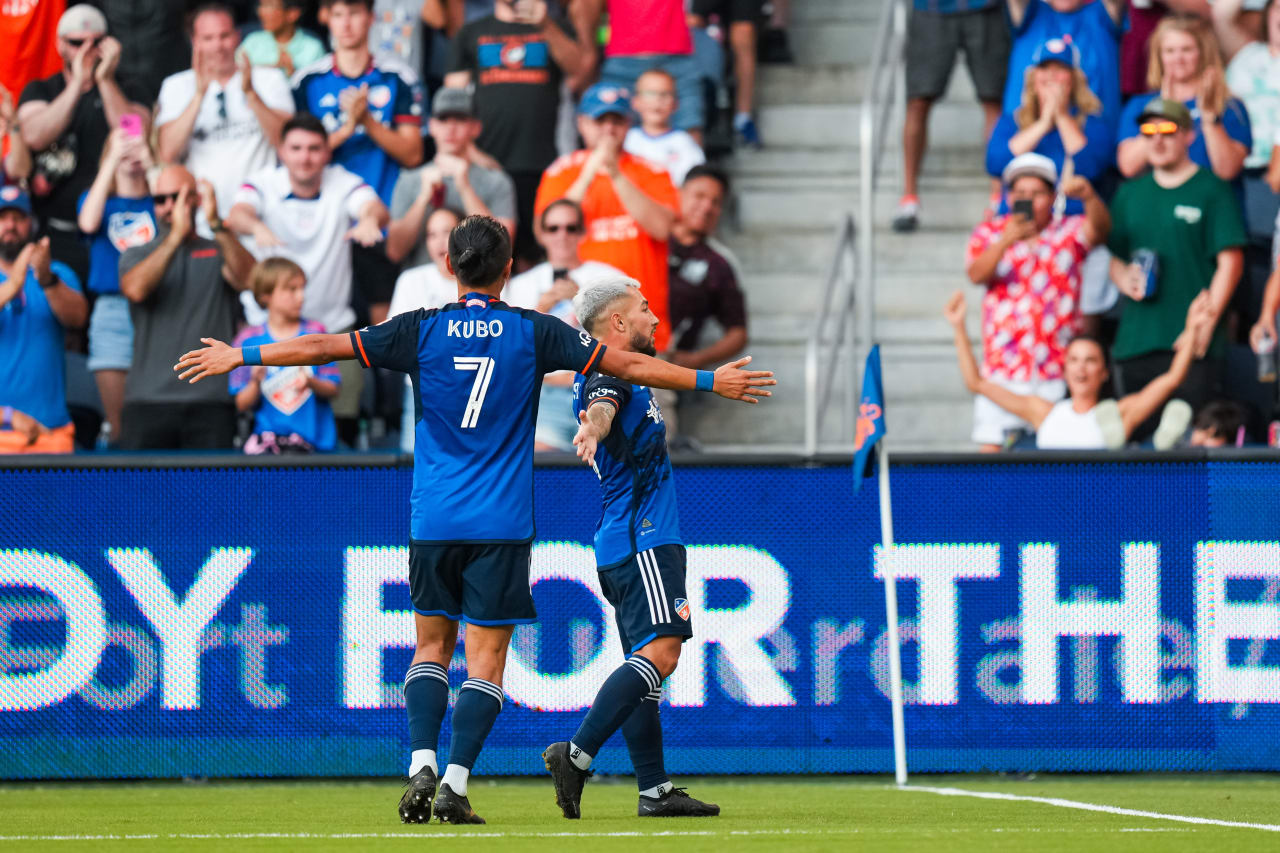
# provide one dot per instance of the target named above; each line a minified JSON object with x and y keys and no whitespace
{"x":1060,"y":118}
{"x":65,"y":120}
{"x":454,"y":178}
{"x":1189,"y":219}
{"x":39,"y":299}
{"x":628,"y":204}
{"x":1032,"y":265}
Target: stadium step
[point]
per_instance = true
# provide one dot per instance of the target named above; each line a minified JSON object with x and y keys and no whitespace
{"x":825,"y":125}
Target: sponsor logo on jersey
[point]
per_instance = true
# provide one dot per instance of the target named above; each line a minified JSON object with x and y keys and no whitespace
{"x":654,"y":412}
{"x":682,"y":608}
{"x":475,"y":328}
{"x":602,"y":392}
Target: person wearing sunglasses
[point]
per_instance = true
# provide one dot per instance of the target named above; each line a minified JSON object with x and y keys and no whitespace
{"x":65,"y":120}
{"x":550,"y":287}
{"x":1188,"y":219}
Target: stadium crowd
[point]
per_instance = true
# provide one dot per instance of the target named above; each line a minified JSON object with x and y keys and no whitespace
{"x":1131,"y":147}
{"x":301,"y":173}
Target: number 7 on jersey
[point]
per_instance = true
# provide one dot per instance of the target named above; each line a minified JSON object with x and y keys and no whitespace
{"x":483,"y":366}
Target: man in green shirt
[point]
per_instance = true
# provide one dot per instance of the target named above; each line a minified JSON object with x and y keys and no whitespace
{"x":1191,"y":220}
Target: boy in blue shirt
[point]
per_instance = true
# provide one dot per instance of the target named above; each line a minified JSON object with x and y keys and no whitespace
{"x":292,"y":403}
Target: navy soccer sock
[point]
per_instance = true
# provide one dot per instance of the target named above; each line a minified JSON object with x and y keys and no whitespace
{"x":643,"y":733}
{"x":426,"y":697}
{"x":474,"y":713}
{"x":617,"y":700}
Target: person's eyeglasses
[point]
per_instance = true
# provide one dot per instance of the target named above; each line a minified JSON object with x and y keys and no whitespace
{"x":1158,"y":128}
{"x":77,"y":43}
{"x":164,"y":198}
{"x":656,"y":93}
{"x":568,"y":229}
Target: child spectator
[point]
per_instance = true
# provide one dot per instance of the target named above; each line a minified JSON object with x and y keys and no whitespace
{"x":1186,"y":66}
{"x":1220,"y":424}
{"x":281,"y":43}
{"x":655,"y":139}
{"x":291,"y":404}
{"x":1060,"y":117}
{"x":116,"y":213}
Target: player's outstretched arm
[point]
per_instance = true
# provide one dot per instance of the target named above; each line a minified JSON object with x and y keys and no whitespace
{"x":729,"y":380}
{"x":216,"y":357}
{"x":593,"y":425}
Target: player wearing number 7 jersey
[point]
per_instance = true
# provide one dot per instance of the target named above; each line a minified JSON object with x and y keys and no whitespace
{"x":476,"y":368}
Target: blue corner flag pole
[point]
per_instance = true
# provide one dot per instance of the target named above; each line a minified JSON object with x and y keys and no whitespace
{"x":870,"y":428}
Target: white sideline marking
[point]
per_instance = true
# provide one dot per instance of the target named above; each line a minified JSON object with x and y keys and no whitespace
{"x":1091,"y":807}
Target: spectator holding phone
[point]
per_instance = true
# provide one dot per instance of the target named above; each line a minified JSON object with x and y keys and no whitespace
{"x":1188,"y":220}
{"x":65,"y":121}
{"x":1030,"y":263}
{"x":549,"y":288}
{"x":290,"y":404}
{"x":222,"y":121}
{"x":116,"y":213}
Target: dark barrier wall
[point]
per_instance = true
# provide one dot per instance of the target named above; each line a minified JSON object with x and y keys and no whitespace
{"x":1060,"y":615}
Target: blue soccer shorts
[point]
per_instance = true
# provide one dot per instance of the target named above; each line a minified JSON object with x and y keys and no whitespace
{"x":648,"y":594}
{"x":483,"y":584}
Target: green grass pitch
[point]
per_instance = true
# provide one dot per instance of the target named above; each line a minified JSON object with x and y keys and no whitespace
{"x":786,"y":813}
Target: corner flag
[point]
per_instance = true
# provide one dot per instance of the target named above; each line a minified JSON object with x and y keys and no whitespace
{"x":869,"y":425}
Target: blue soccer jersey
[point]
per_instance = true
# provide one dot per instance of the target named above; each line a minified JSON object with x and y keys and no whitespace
{"x":635,"y":472}
{"x":395,"y":98}
{"x":287,"y":404}
{"x":476,"y":367}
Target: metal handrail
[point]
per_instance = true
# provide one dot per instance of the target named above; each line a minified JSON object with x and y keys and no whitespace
{"x":850,"y":296}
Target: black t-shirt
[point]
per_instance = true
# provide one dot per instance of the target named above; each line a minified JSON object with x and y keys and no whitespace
{"x":702,"y":286}
{"x":517,"y":90}
{"x":67,"y":167}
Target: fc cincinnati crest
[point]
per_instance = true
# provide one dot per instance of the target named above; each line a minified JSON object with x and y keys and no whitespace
{"x":682,"y":608}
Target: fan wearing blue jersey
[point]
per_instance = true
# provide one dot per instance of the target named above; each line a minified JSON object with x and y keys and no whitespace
{"x":640,"y":556}
{"x":476,"y":367}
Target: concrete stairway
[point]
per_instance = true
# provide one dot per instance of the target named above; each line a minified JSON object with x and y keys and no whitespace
{"x":791,"y":197}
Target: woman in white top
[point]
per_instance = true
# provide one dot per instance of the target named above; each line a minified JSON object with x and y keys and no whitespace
{"x":428,"y":286}
{"x":1085,"y":421}
{"x":549,"y":288}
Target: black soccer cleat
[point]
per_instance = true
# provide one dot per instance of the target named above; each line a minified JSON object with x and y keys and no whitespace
{"x":454,"y":808}
{"x":675,"y":803}
{"x":567,"y":777}
{"x":415,"y":805}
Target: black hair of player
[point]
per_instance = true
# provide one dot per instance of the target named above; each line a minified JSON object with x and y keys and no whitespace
{"x":303,"y":121}
{"x":368,"y":4}
{"x":479,"y":250}
{"x":706,"y":170}
{"x":204,"y":9}
{"x":562,"y":202}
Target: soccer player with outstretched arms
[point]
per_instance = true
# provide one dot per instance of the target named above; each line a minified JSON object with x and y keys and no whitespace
{"x":640,"y":556}
{"x":476,"y":367}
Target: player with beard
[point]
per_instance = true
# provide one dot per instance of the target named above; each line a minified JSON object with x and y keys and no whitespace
{"x":640,"y":557}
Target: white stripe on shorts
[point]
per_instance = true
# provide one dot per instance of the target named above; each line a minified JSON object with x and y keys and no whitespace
{"x":648,"y":589}
{"x":664,"y":610}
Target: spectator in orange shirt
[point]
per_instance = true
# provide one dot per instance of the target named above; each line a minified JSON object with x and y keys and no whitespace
{"x":628,"y":204}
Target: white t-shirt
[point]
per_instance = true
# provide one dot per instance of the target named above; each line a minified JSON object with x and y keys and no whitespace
{"x":523,"y":290}
{"x":1066,"y":429}
{"x":675,"y":150}
{"x":313,"y":231}
{"x":227,"y":141}
{"x":422,"y":287}
{"x":1254,"y":77}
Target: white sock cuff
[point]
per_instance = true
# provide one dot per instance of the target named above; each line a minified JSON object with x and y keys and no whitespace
{"x":426,"y":670}
{"x":484,"y":687}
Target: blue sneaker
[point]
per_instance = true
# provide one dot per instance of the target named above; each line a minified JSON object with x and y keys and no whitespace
{"x":744,"y":130}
